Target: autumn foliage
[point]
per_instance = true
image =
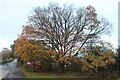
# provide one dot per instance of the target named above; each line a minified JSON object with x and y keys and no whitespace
{"x":40,"y":57}
{"x":92,"y":62}
{"x":33,"y":51}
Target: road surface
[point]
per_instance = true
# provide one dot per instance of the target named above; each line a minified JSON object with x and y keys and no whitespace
{"x":10,"y":70}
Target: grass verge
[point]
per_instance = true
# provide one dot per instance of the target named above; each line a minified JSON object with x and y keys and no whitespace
{"x":53,"y":76}
{"x":48,"y":75}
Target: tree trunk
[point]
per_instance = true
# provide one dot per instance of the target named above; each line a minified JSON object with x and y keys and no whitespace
{"x":49,"y":67}
{"x":62,"y":67}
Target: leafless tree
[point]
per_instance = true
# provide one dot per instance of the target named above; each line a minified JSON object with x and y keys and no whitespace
{"x":67,"y":29}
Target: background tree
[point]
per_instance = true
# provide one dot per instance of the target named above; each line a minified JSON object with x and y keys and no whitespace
{"x":12,"y":47}
{"x":12,"y":50}
{"x":5,"y":53}
{"x":118,"y":59}
{"x":67,"y":30}
{"x":118,"y":51}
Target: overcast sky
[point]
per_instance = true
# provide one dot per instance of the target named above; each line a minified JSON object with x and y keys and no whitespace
{"x":14,"y":14}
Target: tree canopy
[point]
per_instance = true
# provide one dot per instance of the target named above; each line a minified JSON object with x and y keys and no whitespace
{"x":64,"y":34}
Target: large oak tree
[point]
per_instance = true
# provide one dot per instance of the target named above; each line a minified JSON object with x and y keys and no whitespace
{"x":67,"y":30}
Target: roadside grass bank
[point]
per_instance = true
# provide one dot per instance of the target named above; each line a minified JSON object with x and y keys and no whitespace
{"x":63,"y":76}
{"x":49,"y":75}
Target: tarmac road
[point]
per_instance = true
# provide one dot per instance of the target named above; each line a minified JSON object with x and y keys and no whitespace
{"x":10,"y":71}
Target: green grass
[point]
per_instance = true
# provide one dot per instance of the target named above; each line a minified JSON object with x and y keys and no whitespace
{"x":48,"y":75}
{"x":38,"y":75}
{"x":54,"y":76}
{"x":34,"y":74}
